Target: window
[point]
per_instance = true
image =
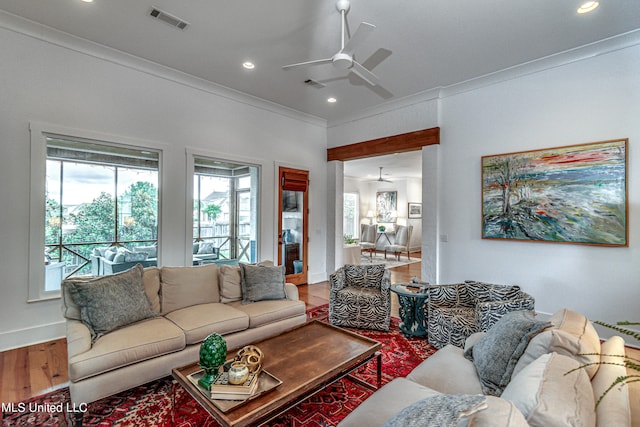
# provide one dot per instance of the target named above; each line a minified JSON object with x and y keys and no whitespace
{"x":97,"y":197}
{"x":225,"y":209}
{"x":351,"y":215}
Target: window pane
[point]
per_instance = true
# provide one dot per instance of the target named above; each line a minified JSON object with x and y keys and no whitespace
{"x":351,"y":215}
{"x":84,"y":218}
{"x":88,"y":203}
{"x":225,"y":208}
{"x":137,"y":205}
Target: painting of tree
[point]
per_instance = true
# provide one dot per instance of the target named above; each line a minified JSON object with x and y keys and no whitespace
{"x":572,"y":194}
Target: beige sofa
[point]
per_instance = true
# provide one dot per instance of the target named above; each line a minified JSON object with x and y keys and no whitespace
{"x":187,"y":304}
{"x":541,"y":392}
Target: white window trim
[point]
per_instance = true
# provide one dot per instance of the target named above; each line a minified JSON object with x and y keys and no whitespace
{"x":191,"y":154}
{"x":37,"y":186}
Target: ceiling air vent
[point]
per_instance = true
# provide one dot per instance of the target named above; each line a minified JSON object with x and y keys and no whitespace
{"x":168,"y":18}
{"x":313,"y":83}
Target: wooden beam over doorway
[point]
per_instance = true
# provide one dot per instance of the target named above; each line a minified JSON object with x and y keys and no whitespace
{"x":411,"y":141}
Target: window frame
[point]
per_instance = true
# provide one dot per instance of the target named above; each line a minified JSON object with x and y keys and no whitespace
{"x":37,"y":201}
{"x":192,"y":155}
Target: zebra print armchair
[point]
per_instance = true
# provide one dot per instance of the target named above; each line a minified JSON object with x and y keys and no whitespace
{"x":458,"y":310}
{"x":359,"y":297}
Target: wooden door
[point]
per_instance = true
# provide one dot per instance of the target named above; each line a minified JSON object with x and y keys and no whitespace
{"x":293,"y":228}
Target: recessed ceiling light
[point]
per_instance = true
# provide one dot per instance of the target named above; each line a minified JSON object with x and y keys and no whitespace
{"x":88,"y":1}
{"x":331,"y":100}
{"x":588,"y":6}
{"x":249,"y":65}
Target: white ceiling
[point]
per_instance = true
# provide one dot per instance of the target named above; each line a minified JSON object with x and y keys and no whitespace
{"x":395,"y":166}
{"x":418,"y":45}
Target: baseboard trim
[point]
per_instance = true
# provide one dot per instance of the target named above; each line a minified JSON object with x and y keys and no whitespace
{"x":318,"y":277}
{"x":32,"y":335}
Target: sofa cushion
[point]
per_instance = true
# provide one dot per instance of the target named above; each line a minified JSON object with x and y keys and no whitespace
{"x":561,"y":342}
{"x":614,"y":408}
{"x":230,"y":280}
{"x":137,"y":342}
{"x":110,"y":302}
{"x":151,"y":251}
{"x":186,"y":286}
{"x":495,"y":354}
{"x":198,"y":321}
{"x":264,"y":312}
{"x":447,"y":371}
{"x":151,"y":281}
{"x":549,"y":396}
{"x":206,"y":248}
{"x":440,"y":410}
{"x":579,"y":326}
{"x":386,"y":402}
{"x":261,"y":282}
{"x":499,"y":413}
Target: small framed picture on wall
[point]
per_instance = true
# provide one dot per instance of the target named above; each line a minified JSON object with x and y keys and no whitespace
{"x":415,"y":210}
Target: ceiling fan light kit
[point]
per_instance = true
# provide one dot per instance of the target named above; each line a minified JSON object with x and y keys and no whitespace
{"x":343,"y":59}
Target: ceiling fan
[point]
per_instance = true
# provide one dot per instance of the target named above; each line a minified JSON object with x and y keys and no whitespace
{"x":381,"y":179}
{"x":344,"y":58}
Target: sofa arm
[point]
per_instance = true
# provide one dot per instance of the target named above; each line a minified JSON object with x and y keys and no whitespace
{"x":291,"y":291}
{"x":488,"y":313}
{"x":78,"y":338}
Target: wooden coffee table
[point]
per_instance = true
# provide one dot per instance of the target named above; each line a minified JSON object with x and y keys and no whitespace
{"x":306,"y":359}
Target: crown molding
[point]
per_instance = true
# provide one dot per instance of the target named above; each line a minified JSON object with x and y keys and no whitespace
{"x":59,"y":38}
{"x":560,"y":59}
{"x":601,"y":47}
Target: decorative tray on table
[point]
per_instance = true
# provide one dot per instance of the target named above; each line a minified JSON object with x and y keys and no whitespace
{"x":227,"y":397}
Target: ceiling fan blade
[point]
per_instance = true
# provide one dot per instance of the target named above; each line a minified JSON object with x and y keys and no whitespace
{"x":314,"y":62}
{"x":361,"y":33}
{"x":364,"y":74}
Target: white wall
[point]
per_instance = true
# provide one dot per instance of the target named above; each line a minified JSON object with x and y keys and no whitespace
{"x":589,"y":100}
{"x":585,"y":95}
{"x":59,"y":84}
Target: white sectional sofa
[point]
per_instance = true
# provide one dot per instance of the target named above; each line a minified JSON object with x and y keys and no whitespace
{"x":183,"y":306}
{"x":542,"y":390}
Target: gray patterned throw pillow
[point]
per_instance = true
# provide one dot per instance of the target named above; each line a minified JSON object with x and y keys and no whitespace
{"x":440,"y":410}
{"x":495,"y":354}
{"x":261,"y":282}
{"x":110,"y":302}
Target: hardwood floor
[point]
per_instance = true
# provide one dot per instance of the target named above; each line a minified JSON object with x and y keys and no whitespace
{"x":29,"y":371}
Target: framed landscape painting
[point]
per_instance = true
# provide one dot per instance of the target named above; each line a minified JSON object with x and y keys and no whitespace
{"x":573,"y":194}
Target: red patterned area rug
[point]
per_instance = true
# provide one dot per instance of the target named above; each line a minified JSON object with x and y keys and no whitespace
{"x":152,"y":404}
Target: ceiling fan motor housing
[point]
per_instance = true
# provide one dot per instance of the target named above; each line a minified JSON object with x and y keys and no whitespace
{"x":342,"y":60}
{"x":342,"y":5}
